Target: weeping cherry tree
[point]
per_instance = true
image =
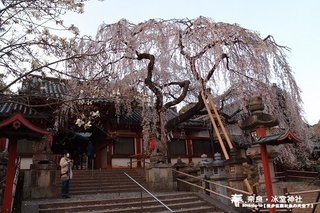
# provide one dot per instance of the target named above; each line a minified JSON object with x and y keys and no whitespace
{"x":167,"y":63}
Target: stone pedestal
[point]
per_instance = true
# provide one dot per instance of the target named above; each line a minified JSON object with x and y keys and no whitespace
{"x":234,"y":170}
{"x":40,"y":180}
{"x":40,"y":184}
{"x":159,"y":177}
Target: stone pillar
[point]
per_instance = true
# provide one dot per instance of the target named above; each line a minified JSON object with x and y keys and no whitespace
{"x":159,"y":177}
{"x":234,"y":170}
{"x":40,"y":180}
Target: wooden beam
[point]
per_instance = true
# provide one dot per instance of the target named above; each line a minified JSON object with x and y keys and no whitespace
{"x":248,"y":186}
{"x":215,"y":127}
{"x":226,"y":135}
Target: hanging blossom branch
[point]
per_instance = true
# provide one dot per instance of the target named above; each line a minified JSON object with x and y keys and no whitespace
{"x":44,"y":66}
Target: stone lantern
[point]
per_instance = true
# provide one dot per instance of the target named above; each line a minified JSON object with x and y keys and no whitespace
{"x":259,"y":122}
{"x":219,"y":175}
{"x":205,"y":167}
{"x":218,"y":170}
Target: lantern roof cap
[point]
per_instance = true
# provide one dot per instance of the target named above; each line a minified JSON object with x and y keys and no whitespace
{"x":280,"y":138}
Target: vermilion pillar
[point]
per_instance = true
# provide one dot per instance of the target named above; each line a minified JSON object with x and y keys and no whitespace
{"x":7,"y":202}
{"x":261,"y":132}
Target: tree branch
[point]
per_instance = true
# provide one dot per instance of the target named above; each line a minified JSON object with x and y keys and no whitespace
{"x":148,"y":80}
{"x":185,"y":86}
{"x":173,"y":123}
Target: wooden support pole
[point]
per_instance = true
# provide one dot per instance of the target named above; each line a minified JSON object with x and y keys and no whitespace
{"x":215,"y":127}
{"x":315,"y":205}
{"x":248,"y":186}
{"x":226,"y":135}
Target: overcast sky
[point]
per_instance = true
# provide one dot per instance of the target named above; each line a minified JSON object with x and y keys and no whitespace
{"x":293,"y":23}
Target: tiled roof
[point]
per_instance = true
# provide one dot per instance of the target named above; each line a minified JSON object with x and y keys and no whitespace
{"x":7,"y":109}
{"x":43,"y":86}
{"x":55,"y":88}
{"x":136,"y":118}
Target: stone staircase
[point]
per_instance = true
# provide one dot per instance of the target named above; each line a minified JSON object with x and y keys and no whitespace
{"x":104,"y":181}
{"x":178,"y":202}
{"x":112,"y":191}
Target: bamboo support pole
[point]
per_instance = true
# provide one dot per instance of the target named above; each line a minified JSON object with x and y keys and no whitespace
{"x":226,"y":135}
{"x":316,"y":203}
{"x":248,"y":186}
{"x":215,"y":127}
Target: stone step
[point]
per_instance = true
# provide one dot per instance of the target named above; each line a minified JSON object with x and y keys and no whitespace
{"x":102,"y":183}
{"x":177,"y":202}
{"x":104,"y":180}
{"x":104,"y":190}
{"x":146,"y":198}
{"x":90,"y":186}
{"x":157,"y":208}
{"x":105,"y":172}
{"x":104,"y":177}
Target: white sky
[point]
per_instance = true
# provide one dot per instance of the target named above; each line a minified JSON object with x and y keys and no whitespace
{"x":293,"y":23}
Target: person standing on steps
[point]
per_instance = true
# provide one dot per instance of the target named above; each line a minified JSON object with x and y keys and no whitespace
{"x":66,"y":173}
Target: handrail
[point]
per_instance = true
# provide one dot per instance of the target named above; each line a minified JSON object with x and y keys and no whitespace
{"x":212,"y":182}
{"x":201,"y":187}
{"x":317,"y":202}
{"x":148,"y":192}
{"x":304,"y":192}
{"x":140,"y":158}
{"x":301,"y":171}
{"x":298,"y":174}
